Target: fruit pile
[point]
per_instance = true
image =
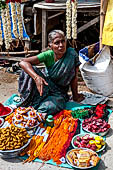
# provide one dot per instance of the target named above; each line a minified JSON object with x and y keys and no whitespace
{"x":95,"y":125}
{"x":94,"y":143}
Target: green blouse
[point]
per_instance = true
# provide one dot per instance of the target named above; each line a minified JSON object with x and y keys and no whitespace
{"x":47,"y":58}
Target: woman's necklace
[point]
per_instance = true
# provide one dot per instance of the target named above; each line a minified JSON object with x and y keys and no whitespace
{"x":57,"y":57}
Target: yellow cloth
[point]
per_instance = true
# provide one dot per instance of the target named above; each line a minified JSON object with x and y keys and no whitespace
{"x":107,"y":37}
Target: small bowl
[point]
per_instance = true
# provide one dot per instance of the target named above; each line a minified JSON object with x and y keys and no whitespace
{"x":1,"y":121}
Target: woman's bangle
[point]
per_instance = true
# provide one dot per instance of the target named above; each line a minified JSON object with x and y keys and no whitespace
{"x":35,"y":77}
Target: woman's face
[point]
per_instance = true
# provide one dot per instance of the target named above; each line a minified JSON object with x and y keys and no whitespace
{"x":59,"y":45}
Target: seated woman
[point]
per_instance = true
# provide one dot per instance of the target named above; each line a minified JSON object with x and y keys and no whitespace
{"x":48,"y":92}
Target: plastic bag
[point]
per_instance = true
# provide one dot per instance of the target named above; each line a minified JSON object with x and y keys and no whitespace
{"x":89,"y":53}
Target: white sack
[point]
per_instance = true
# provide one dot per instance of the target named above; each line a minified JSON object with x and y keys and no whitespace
{"x":99,"y":78}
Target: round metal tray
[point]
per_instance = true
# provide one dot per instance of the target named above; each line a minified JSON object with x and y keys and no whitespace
{"x":83,"y":134}
{"x":13,"y":153}
{"x":77,"y":166}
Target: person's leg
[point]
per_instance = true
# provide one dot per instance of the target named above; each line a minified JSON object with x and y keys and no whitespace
{"x":28,"y":90}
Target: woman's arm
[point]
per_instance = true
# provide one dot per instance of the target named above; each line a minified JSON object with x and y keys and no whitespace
{"x":74,"y":88}
{"x":26,"y":65}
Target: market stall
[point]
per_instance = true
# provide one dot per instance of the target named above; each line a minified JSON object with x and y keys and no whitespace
{"x":72,"y":138}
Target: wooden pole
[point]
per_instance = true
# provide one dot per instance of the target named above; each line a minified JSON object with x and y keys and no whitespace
{"x":103,"y":9}
{"x":20,"y":53}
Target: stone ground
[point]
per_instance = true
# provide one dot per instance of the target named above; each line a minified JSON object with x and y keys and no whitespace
{"x":9,"y":86}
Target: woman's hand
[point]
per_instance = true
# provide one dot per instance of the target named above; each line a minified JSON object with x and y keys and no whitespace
{"x":79,"y":98}
{"x":40,"y":83}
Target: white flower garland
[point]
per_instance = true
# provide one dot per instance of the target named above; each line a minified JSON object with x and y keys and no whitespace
{"x":1,"y":42}
{"x":19,"y":17}
{"x":14,"y":19}
{"x":74,"y":19}
{"x":5,"y":28}
{"x":68,"y":19}
{"x":8,"y":22}
{"x":71,"y":19}
{"x":17,"y":23}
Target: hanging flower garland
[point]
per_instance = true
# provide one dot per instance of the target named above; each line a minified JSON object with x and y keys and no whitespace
{"x":19,"y":18}
{"x":8,"y":22}
{"x":11,"y":19}
{"x":1,"y":42}
{"x":5,"y":28}
{"x":14,"y":19}
{"x":71,"y":19}
{"x":2,"y":6}
{"x":68,"y":19}
{"x":74,"y":19}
